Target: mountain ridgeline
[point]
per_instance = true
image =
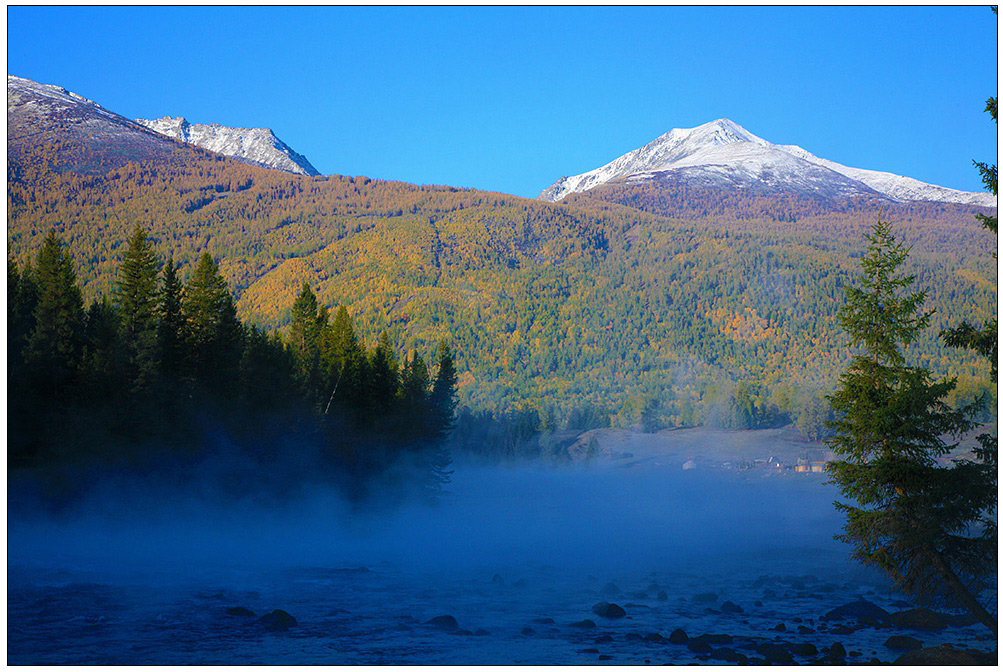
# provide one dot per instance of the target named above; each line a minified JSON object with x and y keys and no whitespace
{"x":640,"y":303}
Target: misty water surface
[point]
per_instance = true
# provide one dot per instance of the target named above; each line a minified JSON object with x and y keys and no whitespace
{"x":515,"y":554}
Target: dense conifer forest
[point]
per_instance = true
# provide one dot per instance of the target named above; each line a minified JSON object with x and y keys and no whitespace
{"x":161,"y":375}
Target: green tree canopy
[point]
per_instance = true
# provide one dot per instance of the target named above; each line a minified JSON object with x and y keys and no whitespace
{"x":922,"y":523}
{"x":136,"y":299}
{"x":212,"y":331}
{"x":170,"y":328}
{"x":56,"y":342}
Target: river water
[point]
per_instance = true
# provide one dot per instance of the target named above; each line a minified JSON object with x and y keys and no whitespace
{"x":517,"y":556}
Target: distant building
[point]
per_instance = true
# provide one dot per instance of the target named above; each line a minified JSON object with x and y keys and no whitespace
{"x":813,"y":461}
{"x":809,"y":466}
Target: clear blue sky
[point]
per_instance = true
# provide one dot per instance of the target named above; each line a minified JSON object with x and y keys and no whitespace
{"x":510,"y":99}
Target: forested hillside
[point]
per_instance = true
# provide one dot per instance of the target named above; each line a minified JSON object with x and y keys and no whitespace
{"x":723,"y":313}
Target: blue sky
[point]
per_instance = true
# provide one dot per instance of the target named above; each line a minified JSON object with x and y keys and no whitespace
{"x":511,"y":98}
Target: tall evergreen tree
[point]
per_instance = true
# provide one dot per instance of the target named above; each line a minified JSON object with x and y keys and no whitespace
{"x":56,"y":341}
{"x":308,"y":323}
{"x":383,"y":381}
{"x":414,"y":402}
{"x":442,"y":402}
{"x":415,"y":381}
{"x":344,"y":367}
{"x":213,"y":334}
{"x":136,"y":299}
{"x":443,"y":399}
{"x":171,"y":321}
{"x":921,"y":523}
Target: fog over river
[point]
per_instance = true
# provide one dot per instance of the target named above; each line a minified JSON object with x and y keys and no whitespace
{"x":512,"y":566}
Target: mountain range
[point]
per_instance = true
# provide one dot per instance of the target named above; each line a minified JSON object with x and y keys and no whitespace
{"x":43,"y":111}
{"x":663,"y":296}
{"x":722,"y":154}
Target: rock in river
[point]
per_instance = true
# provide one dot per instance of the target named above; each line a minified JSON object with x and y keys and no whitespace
{"x":611,"y":589}
{"x":903,"y":643}
{"x":940,"y":655}
{"x":607,"y":610}
{"x":277,"y":620}
{"x":859,"y":610}
{"x":918,"y":619}
{"x":444,"y":622}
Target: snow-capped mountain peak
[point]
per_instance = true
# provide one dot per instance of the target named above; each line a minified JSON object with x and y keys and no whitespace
{"x":725,"y":154}
{"x":258,"y":145}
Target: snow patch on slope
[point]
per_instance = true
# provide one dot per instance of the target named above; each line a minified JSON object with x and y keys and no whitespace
{"x":259,"y":145}
{"x":20,"y":90}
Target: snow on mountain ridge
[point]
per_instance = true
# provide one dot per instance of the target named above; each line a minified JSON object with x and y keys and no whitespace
{"x":18,"y":86}
{"x":259,"y":145}
{"x":726,"y":153}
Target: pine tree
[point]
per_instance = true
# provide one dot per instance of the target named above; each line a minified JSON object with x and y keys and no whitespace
{"x":414,"y":404}
{"x":415,"y":381}
{"x":213,"y":334}
{"x":56,"y":341}
{"x":170,"y":327}
{"x":308,"y":324}
{"x":383,"y":381}
{"x":442,"y":403}
{"x":921,"y":523}
{"x":443,"y":399}
{"x":136,"y":299}
{"x":344,"y":367}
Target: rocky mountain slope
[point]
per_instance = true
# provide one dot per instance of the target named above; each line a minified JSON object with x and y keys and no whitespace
{"x":722,"y":154}
{"x":257,"y":145}
{"x":90,"y":138}
{"x":95,"y":139}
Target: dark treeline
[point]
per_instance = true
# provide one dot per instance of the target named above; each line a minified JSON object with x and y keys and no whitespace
{"x":162,"y":377}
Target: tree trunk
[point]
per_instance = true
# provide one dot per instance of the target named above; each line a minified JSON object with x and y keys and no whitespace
{"x":962,"y":592}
